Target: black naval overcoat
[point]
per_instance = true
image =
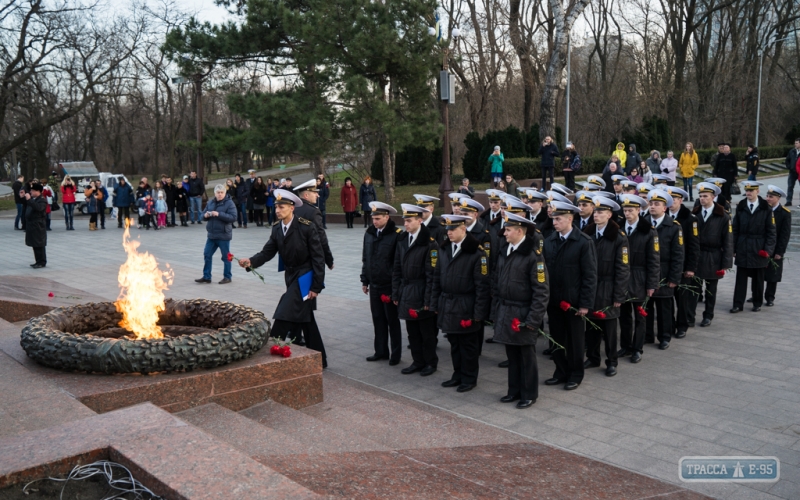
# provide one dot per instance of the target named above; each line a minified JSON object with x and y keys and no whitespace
{"x":753,"y":232}
{"x":691,"y":242}
{"x":645,"y":261}
{"x":613,"y":269}
{"x":412,"y":276}
{"x":669,"y":242}
{"x":716,"y":242}
{"x":312,"y":213}
{"x":377,"y":256}
{"x":783,"y":229}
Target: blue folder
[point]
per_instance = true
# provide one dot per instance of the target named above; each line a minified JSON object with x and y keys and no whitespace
{"x":305,"y":284}
{"x":281,"y":267}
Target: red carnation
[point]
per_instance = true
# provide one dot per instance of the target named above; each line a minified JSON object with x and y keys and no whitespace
{"x":276,"y":349}
{"x":720,"y":273}
{"x":466,"y":323}
{"x":286,"y":351}
{"x":641,"y":311}
{"x":565,"y":306}
{"x":385,"y":299}
{"x":230,"y":257}
{"x":515,"y":324}
{"x":599,"y":315}
{"x":51,"y":294}
{"x":413,"y":313}
{"x":763,"y":253}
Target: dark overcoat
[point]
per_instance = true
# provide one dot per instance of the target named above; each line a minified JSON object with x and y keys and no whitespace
{"x":36,"y":222}
{"x":753,"y":232}
{"x":312,"y":213}
{"x":691,"y":241}
{"x":412,"y":275}
{"x":520,"y":289}
{"x":645,"y":261}
{"x":613,"y":270}
{"x":301,"y":252}
{"x":574,"y":263}
{"x":716,"y":242}
{"x":783,"y":228}
{"x":669,"y":242}
{"x":377,"y":256}
{"x":461,"y":287}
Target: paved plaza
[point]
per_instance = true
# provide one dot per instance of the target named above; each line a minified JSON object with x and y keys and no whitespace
{"x":729,"y":389}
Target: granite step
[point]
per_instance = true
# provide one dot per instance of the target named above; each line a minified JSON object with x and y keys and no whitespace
{"x":399,"y":422}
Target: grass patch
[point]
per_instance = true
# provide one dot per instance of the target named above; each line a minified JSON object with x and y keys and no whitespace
{"x":7,"y":203}
{"x":224,"y":175}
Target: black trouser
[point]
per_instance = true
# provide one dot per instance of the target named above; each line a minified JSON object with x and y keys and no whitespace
{"x":464,"y":353}
{"x":662,"y":308}
{"x":101,"y":210}
{"x":146,"y":220}
{"x":568,"y":330}
{"x":123,"y":213}
{"x":422,"y":336}
{"x":172,"y":215}
{"x":93,"y":218}
{"x":386,"y":324}
{"x":631,"y":333}
{"x":258,"y":216}
{"x":523,"y":372}
{"x":569,"y":179}
{"x":251,"y":215}
{"x":709,"y":299}
{"x":367,"y":217}
{"x":545,"y":171}
{"x":606,"y":333}
{"x":769,"y":291}
{"x":684,"y":313}
{"x":40,"y":255}
{"x":349,"y":217}
{"x":740,"y":292}
{"x":282,"y":328}
{"x":726,"y":190}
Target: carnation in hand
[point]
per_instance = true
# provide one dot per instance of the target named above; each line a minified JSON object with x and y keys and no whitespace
{"x":763,"y":254}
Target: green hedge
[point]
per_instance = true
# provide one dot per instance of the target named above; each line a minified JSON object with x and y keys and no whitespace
{"x":529,"y":168}
{"x":704,"y":155}
{"x":412,"y":166}
{"x":514,"y":143}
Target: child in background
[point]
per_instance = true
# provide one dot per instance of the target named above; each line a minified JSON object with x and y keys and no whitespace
{"x":161,"y":210}
{"x":147,"y":209}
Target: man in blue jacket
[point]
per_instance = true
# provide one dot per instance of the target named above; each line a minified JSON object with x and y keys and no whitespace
{"x":220,"y":213}
{"x":123,"y":199}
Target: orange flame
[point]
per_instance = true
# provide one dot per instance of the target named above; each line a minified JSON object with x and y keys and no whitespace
{"x":142,"y":286}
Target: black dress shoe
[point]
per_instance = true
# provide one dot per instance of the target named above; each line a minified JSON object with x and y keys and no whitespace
{"x":571,"y":386}
{"x":225,"y":281}
{"x":548,"y":351}
{"x":611,"y":371}
{"x":623,"y":352}
{"x":394,"y":362}
{"x":301,"y":342}
{"x":756,"y":308}
{"x":34,"y":264}
{"x":691,"y":325}
{"x":553,"y":381}
{"x":451,"y":383}
{"x":680,"y":334}
{"x":375,"y":357}
{"x":39,"y":266}
{"x":750,"y":300}
{"x":769,"y":303}
{"x":664,"y":345}
{"x":736,"y":310}
{"x":428,"y":370}
{"x":636,"y":357}
{"x":202,"y":280}
{"x":589,"y":364}
{"x":509,"y":399}
{"x":705,"y":322}
{"x":503,"y":364}
{"x":490,"y":340}
{"x":465,"y":387}
{"x":525,"y":403}
{"x":410,"y":369}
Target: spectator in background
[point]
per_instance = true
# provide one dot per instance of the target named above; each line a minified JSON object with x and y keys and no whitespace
{"x":90,"y":195}
{"x":548,"y":152}
{"x":647,"y":175}
{"x":221,"y":214}
{"x":466,"y":189}
{"x":501,"y":185}
{"x":791,"y":164}
{"x":171,"y":191}
{"x":751,"y":158}
{"x":272,"y":186}
{"x":36,"y":221}
{"x":615,"y":160}
{"x":123,"y":199}
{"x":687,"y":164}
{"x":288,"y":184}
{"x":608,"y":173}
{"x":242,"y":193}
{"x":68,"y":190}
{"x":496,"y":159}
{"x":654,"y":162}
{"x":158,"y":191}
{"x":367,"y":195}
{"x":230,"y":189}
{"x":349,"y":200}
{"x":713,"y":161}
{"x":196,"y":190}
{"x":635,"y":177}
{"x":258,"y":193}
{"x":21,"y":202}
{"x":669,"y":166}
{"x":182,"y":204}
{"x":161,"y":210}
{"x":324,"y":190}
{"x":570,"y":165}
{"x":511,"y":186}
{"x":633,"y":159}
{"x":622,"y":155}
{"x":47,"y":193}
{"x":148,"y":207}
{"x":141,"y":192}
{"x":102,"y":199}
{"x":251,"y":211}
{"x":185,"y":184}
{"x":727,"y":169}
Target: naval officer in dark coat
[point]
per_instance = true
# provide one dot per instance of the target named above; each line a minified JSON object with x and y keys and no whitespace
{"x":435,"y":228}
{"x":783,"y":228}
{"x":684,"y":313}
{"x":297,"y":241}
{"x":754,"y":238}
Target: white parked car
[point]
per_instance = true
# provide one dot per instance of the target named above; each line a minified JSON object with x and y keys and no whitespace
{"x":108,"y":180}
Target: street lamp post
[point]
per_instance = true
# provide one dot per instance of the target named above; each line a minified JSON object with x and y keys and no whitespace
{"x":446,"y":186}
{"x":569,"y":74}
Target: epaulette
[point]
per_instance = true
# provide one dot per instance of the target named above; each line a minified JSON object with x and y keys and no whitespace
{"x":787,"y":209}
{"x":537,"y":230}
{"x":432,"y":238}
{"x":303,"y":221}
{"x":487,"y":230}
{"x":398,"y":230}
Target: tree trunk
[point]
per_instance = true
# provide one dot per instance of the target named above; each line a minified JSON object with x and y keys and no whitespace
{"x":525,"y":63}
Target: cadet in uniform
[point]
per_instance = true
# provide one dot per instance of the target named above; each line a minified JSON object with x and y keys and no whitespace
{"x":377,"y":259}
{"x":645,"y":271}
{"x":670,"y":245}
{"x":583,"y":199}
{"x":461,"y":298}
{"x":573,"y":254}
{"x":719,"y":182}
{"x":435,"y":229}
{"x":628,"y":186}
{"x":297,"y":242}
{"x":754,"y":238}
{"x":783,"y":228}
{"x":494,"y":211}
{"x":412,"y":279}
{"x":538,"y":215}
{"x":611,"y":251}
{"x":660,"y":181}
{"x":691,"y":248}
{"x":520,"y":288}
{"x":480,"y":232}
{"x":716,"y":246}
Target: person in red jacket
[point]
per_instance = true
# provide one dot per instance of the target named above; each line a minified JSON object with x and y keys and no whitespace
{"x":349,"y":198}
{"x":68,"y":189}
